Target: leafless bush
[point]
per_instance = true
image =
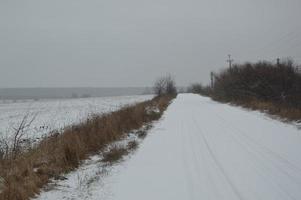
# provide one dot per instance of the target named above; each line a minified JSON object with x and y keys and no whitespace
{"x":19,"y":134}
{"x":273,"y":88}
{"x":165,"y":86}
{"x":159,"y":86}
{"x":11,"y":146}
{"x":198,"y":88}
{"x":278,"y":83}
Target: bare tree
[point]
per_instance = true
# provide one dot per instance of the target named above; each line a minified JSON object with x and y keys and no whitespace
{"x":165,"y":86}
{"x":170,"y":85}
{"x":159,"y":86}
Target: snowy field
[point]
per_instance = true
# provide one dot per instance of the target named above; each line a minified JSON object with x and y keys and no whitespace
{"x":200,"y":149}
{"x":55,"y":114}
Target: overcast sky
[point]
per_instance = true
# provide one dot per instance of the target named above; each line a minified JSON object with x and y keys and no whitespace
{"x":100,"y":43}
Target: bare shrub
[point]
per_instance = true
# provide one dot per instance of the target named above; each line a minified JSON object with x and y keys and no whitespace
{"x":11,"y":146}
{"x":165,"y":86}
{"x":159,"y":86}
{"x":19,"y":134}
{"x":275,"y":88}
{"x":198,"y":88}
{"x":279,"y":83}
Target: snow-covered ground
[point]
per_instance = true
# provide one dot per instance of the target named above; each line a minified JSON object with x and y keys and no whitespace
{"x":55,"y":114}
{"x":200,"y":149}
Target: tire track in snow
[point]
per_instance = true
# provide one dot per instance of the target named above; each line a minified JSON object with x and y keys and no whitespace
{"x":261,"y":152}
{"x":201,"y":162}
{"x":186,"y":169}
{"x":265,"y":148}
{"x":197,"y":153}
{"x":218,"y":164}
{"x":260,"y":167}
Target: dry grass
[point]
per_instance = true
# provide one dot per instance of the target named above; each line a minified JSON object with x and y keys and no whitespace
{"x":115,"y":154}
{"x":141,"y":134}
{"x":284,"y":112}
{"x":29,"y":171}
{"x":132,"y":145}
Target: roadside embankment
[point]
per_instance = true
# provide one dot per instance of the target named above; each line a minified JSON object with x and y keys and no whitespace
{"x":26,"y":172}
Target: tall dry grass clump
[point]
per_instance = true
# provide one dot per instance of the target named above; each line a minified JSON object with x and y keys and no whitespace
{"x":24,"y":174}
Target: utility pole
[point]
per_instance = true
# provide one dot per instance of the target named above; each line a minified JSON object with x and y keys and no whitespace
{"x":278,"y":61}
{"x":212,"y":79}
{"x":230,"y":61}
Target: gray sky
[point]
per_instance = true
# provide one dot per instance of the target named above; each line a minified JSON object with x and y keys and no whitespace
{"x":103,"y":43}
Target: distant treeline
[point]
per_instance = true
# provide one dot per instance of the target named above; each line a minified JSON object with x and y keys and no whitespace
{"x":42,"y":93}
{"x":257,"y":85}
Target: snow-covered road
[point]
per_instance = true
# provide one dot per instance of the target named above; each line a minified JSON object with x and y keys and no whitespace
{"x":202,"y":149}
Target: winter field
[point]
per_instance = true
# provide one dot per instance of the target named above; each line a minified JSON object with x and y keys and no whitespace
{"x":200,"y":149}
{"x":55,"y":114}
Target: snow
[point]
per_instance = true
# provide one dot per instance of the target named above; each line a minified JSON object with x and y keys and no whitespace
{"x":200,"y":149}
{"x":55,"y":114}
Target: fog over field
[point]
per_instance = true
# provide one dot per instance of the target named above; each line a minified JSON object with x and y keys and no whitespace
{"x":113,"y":43}
{"x":43,"y":93}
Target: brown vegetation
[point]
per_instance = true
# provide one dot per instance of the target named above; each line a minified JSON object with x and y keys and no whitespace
{"x":27,"y":171}
{"x":285,"y":113}
{"x":115,"y":154}
{"x":273,"y":88}
{"x":277,"y":83}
